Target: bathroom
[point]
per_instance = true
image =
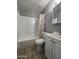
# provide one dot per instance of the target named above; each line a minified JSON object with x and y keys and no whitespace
{"x":38,"y":29}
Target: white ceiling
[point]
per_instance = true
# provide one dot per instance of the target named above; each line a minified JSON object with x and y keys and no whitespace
{"x":31,"y":7}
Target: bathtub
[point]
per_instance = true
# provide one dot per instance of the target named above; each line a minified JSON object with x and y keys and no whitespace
{"x":26,"y":42}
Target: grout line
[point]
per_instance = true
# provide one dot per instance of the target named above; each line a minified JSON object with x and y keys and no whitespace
{"x":22,"y":56}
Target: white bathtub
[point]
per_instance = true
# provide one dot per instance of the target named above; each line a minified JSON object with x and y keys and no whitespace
{"x":26,"y":42}
{"x":27,"y":29}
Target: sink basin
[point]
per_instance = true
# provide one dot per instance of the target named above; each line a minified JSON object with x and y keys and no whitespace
{"x":55,"y":34}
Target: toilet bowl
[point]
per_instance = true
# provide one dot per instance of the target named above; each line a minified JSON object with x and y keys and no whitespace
{"x":40,"y":44}
{"x":39,"y":41}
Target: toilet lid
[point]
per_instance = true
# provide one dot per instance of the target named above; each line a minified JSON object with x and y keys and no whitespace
{"x":40,"y":40}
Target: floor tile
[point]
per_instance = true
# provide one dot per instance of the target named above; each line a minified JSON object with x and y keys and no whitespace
{"x":39,"y":57}
{"x":20,"y":52}
{"x":31,"y":53}
{"x":35,"y":57}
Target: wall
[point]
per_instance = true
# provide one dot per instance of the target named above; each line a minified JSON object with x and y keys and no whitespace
{"x":48,"y":8}
{"x":49,"y":27}
{"x":25,"y":27}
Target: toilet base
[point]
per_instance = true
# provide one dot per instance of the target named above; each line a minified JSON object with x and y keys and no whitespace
{"x":39,"y":49}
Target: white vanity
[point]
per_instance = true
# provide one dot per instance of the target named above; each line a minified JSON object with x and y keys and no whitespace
{"x":52,"y":46}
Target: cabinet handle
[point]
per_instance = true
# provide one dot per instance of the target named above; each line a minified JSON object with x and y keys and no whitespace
{"x":53,"y":41}
{"x":50,"y":40}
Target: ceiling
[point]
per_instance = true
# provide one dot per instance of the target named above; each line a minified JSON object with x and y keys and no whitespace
{"x":31,"y":8}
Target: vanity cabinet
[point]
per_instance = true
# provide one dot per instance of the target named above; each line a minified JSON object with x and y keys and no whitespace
{"x":48,"y":47}
{"x":52,"y":48}
{"x":56,"y":50}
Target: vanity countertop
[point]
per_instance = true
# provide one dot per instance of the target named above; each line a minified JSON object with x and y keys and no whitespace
{"x":58,"y":37}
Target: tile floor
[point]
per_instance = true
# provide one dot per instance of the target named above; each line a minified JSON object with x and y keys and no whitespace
{"x":29,"y":53}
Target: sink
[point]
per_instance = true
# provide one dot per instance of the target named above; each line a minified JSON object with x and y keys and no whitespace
{"x":56,"y":34}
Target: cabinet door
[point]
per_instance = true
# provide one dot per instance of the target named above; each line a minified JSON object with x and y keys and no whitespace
{"x":51,"y":49}
{"x":56,"y":51}
{"x":47,"y":48}
{"x":59,"y":17}
{"x":59,"y":13}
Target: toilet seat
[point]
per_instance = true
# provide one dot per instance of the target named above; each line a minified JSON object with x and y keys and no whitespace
{"x":39,"y":41}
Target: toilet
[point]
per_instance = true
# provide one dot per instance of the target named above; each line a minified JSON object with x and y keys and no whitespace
{"x":40,"y":45}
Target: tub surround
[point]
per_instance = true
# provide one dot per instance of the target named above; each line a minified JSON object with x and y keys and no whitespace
{"x":25,"y":27}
